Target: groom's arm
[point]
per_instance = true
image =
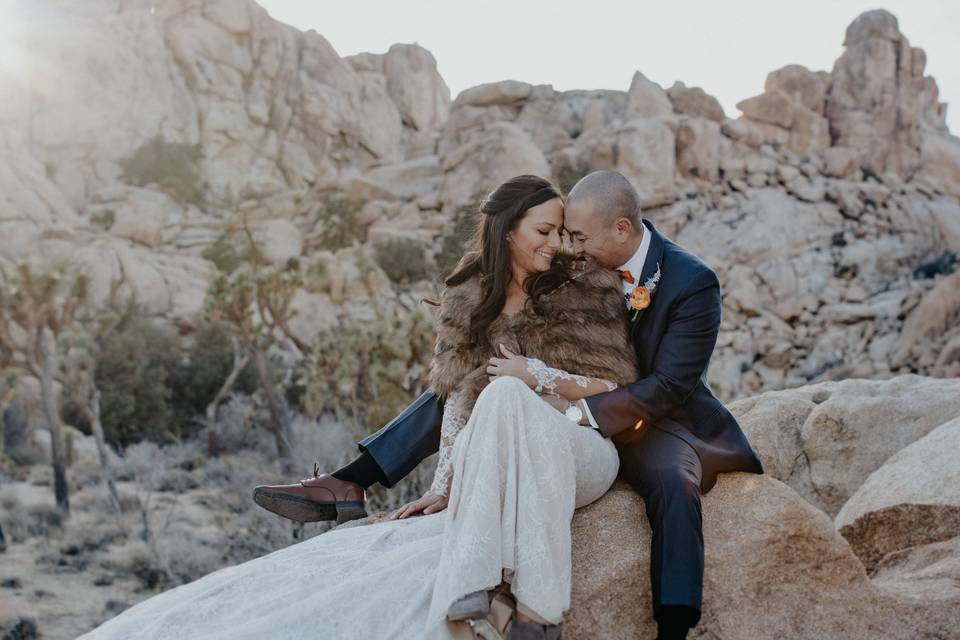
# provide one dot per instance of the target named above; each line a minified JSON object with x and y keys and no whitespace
{"x":682,"y":357}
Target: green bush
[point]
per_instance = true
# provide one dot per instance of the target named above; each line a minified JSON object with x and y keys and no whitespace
{"x":403,"y":260}
{"x":570,"y":175}
{"x":454,"y":242}
{"x":132,"y":375}
{"x":174,"y":167}
{"x":337,"y":225}
{"x":223,"y":254}
{"x":196,"y":379}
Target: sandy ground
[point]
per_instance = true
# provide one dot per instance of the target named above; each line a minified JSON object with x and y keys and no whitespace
{"x":75,"y":576}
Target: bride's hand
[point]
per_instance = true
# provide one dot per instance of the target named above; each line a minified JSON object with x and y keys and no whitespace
{"x":429,"y":503}
{"x":510,"y":364}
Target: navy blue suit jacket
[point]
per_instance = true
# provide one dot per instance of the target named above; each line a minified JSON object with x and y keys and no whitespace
{"x":674,"y":338}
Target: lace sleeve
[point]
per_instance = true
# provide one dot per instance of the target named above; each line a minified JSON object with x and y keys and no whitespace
{"x":547,"y":377}
{"x":454,"y":419}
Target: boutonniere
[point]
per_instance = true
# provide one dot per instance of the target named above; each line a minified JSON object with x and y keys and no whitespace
{"x":639,"y":298}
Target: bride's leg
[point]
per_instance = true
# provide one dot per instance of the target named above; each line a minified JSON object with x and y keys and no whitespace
{"x":513,"y":496}
{"x":597,"y":463}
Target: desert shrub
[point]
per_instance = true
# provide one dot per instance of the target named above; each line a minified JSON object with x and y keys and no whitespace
{"x":569,"y":175}
{"x":337,"y":225}
{"x":237,"y":427}
{"x":103,"y":218}
{"x":16,"y":429}
{"x":224,"y":254}
{"x":177,"y":481}
{"x":144,"y":565}
{"x":95,"y":534}
{"x":454,"y":242}
{"x":367,"y":370}
{"x":22,"y":523}
{"x":132,"y":374}
{"x":403,"y":260}
{"x":22,"y":629}
{"x":174,"y":167}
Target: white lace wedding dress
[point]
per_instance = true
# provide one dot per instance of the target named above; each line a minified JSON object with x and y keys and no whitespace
{"x":519,"y":469}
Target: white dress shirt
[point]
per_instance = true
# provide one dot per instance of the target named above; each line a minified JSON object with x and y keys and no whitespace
{"x":635,"y":266}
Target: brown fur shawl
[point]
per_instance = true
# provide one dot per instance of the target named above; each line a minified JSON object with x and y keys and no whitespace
{"x":583,"y":329}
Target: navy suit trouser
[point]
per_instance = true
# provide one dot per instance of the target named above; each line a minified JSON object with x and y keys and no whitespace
{"x":666,"y":472}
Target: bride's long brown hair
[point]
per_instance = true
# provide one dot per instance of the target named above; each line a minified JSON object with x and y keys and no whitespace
{"x":489,"y":258}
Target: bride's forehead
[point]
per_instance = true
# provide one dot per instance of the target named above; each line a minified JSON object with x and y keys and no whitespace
{"x":550,"y":211}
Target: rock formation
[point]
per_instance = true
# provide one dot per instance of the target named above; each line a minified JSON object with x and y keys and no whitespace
{"x":824,"y":208}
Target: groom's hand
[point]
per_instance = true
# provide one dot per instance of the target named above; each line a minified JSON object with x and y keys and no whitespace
{"x":429,"y":503}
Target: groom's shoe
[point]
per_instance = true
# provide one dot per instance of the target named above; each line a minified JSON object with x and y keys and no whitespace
{"x":321,"y":497}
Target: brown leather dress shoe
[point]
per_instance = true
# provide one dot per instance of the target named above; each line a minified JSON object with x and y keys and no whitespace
{"x":321,"y":497}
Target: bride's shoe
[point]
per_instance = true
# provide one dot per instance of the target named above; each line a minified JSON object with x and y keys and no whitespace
{"x":520,"y":630}
{"x":470,"y":607}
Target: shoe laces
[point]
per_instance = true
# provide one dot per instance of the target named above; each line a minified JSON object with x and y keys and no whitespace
{"x":316,"y":469}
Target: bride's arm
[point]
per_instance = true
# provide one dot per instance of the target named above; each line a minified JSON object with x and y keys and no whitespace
{"x":454,"y":419}
{"x":544,"y":379}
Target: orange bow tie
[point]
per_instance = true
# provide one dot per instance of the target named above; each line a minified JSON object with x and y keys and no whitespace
{"x":626,"y":276}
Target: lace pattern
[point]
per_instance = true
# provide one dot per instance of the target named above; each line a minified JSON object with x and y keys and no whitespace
{"x":547,"y":377}
{"x":454,"y":418}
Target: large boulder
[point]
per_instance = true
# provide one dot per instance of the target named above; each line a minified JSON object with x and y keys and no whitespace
{"x":825,"y":440}
{"x":801,"y":84}
{"x":913,"y":499}
{"x":416,"y":86}
{"x":937,"y":315}
{"x":643,"y":150}
{"x":694,"y":101}
{"x":500,"y":152}
{"x":647,"y":99}
{"x":495,"y":93}
{"x":775,"y":568}
{"x":873,"y":101}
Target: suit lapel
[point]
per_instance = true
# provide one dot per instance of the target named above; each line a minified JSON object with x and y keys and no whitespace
{"x":651,"y":265}
{"x":654,"y":254}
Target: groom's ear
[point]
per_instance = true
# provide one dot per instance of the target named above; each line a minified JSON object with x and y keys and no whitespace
{"x":623,"y":226}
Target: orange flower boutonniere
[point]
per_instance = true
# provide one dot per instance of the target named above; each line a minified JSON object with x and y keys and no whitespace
{"x":639,"y":299}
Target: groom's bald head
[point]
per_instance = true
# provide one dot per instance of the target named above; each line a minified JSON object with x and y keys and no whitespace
{"x":607,"y":195}
{"x":602,"y":216}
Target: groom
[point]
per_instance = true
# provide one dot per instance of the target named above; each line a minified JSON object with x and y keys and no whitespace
{"x":673,"y":435}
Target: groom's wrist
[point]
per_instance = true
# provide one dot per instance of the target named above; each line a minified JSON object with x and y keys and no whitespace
{"x":587,"y":420}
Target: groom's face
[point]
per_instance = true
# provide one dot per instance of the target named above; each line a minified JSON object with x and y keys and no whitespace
{"x":591,"y":236}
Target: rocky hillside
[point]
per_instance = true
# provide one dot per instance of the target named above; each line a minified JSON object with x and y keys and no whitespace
{"x":140,"y":134}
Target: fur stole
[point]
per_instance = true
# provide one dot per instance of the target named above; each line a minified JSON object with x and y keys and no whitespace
{"x":583,"y":329}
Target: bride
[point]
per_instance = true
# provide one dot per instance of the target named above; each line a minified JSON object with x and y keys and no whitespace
{"x":514,"y":463}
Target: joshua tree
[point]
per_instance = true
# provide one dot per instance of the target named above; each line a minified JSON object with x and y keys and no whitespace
{"x":253,"y":303}
{"x":35,"y":309}
{"x":82,"y":345}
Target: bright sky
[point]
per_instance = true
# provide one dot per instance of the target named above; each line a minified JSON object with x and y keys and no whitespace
{"x":727,"y":48}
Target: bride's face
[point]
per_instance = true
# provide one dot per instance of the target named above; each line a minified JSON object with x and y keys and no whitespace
{"x":536,"y":240}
